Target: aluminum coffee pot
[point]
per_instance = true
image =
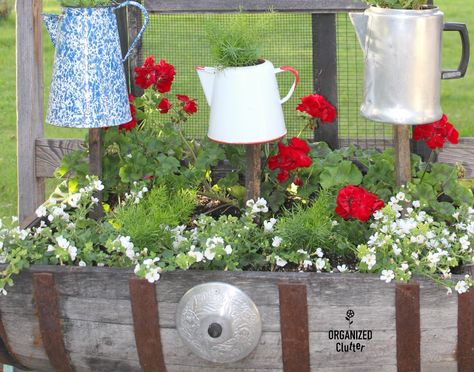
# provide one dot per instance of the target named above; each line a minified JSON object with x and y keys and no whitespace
{"x":403,"y":63}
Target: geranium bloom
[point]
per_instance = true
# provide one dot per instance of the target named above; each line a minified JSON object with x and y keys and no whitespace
{"x":160,"y":75}
{"x":189,"y":105}
{"x":436,"y":134}
{"x":357,"y":202}
{"x":290,"y":157}
{"x":317,"y":106}
{"x":132,"y":123}
{"x":164,"y":106}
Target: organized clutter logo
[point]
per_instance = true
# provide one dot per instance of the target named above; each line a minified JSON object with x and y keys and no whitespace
{"x":350,"y":340}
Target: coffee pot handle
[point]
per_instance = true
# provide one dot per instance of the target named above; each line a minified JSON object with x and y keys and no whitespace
{"x":293,"y":87}
{"x":461,"y":71}
{"x":145,"y":22}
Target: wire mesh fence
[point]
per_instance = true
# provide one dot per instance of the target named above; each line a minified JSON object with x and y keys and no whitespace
{"x":181,"y":40}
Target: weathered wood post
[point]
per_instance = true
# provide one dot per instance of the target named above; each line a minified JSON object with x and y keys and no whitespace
{"x":253,"y":171}
{"x":401,"y":142}
{"x":29,"y":103}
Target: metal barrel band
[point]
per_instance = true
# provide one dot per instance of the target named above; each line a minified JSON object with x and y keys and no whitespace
{"x":294,"y":327}
{"x":465,"y":346}
{"x":47,"y":307}
{"x":407,"y":304}
{"x":146,"y":325}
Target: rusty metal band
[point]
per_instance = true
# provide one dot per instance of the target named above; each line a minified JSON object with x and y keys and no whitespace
{"x":47,"y":308}
{"x":146,"y":324}
{"x":7,"y":356}
{"x":294,"y":327}
{"x":465,"y":347}
{"x":407,"y":304}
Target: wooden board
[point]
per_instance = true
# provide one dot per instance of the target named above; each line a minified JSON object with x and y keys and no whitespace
{"x":99,"y":335}
{"x":49,"y":153}
{"x":216,"y":6}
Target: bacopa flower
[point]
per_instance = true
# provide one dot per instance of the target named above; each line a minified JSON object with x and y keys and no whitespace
{"x":159,"y":75}
{"x":164,"y":106}
{"x":436,"y":134}
{"x":132,"y":123}
{"x":357,"y":202}
{"x":290,"y":157}
{"x":189,"y":104}
{"x":317,"y":106}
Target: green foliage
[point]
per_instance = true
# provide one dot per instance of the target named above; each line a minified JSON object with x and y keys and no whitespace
{"x":398,"y":4}
{"x":145,"y":221}
{"x":85,"y":3}
{"x":6,"y":7}
{"x":239,"y":41}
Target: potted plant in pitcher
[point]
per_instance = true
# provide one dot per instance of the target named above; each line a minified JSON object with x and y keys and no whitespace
{"x":242,"y":89}
{"x":401,"y":40}
{"x":88,"y":88}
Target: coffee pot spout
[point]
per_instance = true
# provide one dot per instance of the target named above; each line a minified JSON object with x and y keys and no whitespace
{"x":51,"y":21}
{"x":360,"y":23}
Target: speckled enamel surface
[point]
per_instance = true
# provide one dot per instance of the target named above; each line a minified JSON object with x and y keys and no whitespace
{"x":88,"y":88}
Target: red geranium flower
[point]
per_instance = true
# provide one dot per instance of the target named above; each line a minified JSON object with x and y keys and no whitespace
{"x":290,"y":157}
{"x":164,"y":106}
{"x":357,"y":202}
{"x":436,"y":134}
{"x":189,"y":105}
{"x":317,"y":106}
{"x":132,"y":123}
{"x":160,"y":75}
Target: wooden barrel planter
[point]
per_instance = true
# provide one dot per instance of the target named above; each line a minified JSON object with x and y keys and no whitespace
{"x":105,"y":319}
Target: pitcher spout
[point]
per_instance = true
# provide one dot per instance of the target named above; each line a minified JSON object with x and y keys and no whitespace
{"x":51,"y":21}
{"x":360,"y":23}
{"x":206,"y":76}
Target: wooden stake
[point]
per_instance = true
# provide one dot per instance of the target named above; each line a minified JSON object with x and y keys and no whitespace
{"x":95,"y":166}
{"x":401,"y":142}
{"x":253,"y":173}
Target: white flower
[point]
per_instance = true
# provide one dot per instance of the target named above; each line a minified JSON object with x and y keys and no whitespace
{"x":82,"y":263}
{"x":276,"y":241}
{"x":268,"y":224}
{"x":97,"y":185}
{"x":72,"y":252}
{"x":404,"y":266}
{"x":62,"y":242}
{"x":23,"y":234}
{"x":400,"y":196}
{"x":319,"y":252}
{"x":14,"y":219}
{"x":228,"y":249}
{"x":209,"y":253}
{"x":41,"y":211}
{"x":3,"y":291}
{"x":153,"y":275}
{"x":307,"y":263}
{"x":302,"y":251}
{"x":334,"y":223}
{"x":94,"y":200}
{"x":128,"y":156}
{"x":198,"y":256}
{"x":257,"y":206}
{"x":416,"y":204}
{"x":465,"y":243}
{"x":387,"y":276}
{"x":1,"y":245}
{"x":370,"y":260}
{"x":342,"y":268}
{"x":100,"y":264}
{"x":396,"y":250}
{"x":433,"y":258}
{"x":461,"y":287}
{"x":50,"y":248}
{"x":74,"y":200}
{"x":449,"y":291}
{"x":320,"y":263}
{"x":280,"y":261}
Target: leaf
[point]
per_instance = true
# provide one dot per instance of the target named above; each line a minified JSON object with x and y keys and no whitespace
{"x":343,"y":174}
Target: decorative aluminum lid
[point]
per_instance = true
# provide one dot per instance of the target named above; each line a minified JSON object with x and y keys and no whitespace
{"x":218,"y":322}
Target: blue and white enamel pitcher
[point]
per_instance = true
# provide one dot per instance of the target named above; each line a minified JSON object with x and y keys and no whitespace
{"x":88,"y":88}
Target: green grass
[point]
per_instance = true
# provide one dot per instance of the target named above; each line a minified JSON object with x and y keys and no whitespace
{"x":171,"y":38}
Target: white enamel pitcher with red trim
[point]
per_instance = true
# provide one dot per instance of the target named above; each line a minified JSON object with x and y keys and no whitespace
{"x":245,"y":103}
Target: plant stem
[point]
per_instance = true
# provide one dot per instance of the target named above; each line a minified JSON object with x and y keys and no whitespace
{"x":428,"y":163}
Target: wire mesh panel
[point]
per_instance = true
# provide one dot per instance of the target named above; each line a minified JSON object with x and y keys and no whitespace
{"x":181,"y":40}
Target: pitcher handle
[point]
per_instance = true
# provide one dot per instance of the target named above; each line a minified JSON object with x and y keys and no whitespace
{"x":461,"y":71}
{"x":145,"y":23}
{"x":295,"y":83}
